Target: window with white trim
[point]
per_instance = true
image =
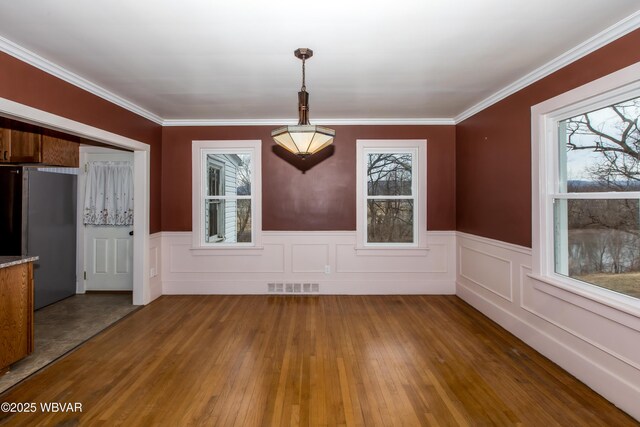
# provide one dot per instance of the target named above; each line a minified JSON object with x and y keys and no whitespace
{"x":587,"y":225}
{"x":391,"y":182}
{"x":226,"y":193}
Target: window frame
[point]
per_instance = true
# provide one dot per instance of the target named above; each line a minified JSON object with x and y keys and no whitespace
{"x":545,"y":117}
{"x":200,"y":150}
{"x":418,"y":149}
{"x":221,"y":168}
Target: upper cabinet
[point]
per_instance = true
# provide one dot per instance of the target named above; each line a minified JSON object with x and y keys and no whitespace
{"x":29,"y":144}
{"x":5,"y":145}
{"x":59,"y":150}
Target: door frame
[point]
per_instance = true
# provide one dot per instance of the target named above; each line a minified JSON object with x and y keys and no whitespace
{"x":81,"y":267}
{"x":141,"y":165}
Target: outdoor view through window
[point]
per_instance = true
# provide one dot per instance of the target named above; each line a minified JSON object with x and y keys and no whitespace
{"x":390,"y":198}
{"x":597,"y":199}
{"x":227,"y":213}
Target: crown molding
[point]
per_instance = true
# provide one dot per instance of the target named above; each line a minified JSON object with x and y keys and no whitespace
{"x":601,"y":39}
{"x":324,"y":122}
{"x":610,"y":34}
{"x":49,"y":67}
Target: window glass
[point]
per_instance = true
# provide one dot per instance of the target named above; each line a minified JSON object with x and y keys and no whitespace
{"x":227,"y":207}
{"x":601,"y":242}
{"x":596,"y":207}
{"x":601,"y":149}
{"x":390,"y":197}
{"x":390,"y":221}
{"x":389,"y":174}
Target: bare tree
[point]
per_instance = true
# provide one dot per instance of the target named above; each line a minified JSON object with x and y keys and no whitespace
{"x":390,"y":220}
{"x":244,"y":206}
{"x":604,"y":235}
{"x":618,"y":140}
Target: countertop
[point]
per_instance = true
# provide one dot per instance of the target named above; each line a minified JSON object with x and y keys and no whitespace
{"x":10,"y":261}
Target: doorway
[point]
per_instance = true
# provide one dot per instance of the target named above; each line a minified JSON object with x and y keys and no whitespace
{"x":21,"y":112}
{"x":105,"y":251}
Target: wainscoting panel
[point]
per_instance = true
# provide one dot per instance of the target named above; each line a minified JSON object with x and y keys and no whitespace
{"x":597,"y":342}
{"x":489,"y":271}
{"x":155,"y":280}
{"x":328,"y":260}
{"x":309,"y":258}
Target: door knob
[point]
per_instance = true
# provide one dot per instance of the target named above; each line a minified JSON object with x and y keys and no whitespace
{"x":131,"y":233}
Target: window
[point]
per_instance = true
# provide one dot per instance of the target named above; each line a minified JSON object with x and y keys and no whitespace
{"x":214,"y":214}
{"x":587,"y":222}
{"x":596,"y":202}
{"x":391,"y":179}
{"x":226,"y":193}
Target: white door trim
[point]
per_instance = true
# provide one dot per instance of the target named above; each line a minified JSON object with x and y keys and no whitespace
{"x":14,"y":110}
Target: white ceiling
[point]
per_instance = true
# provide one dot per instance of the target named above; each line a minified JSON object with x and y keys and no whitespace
{"x":233,"y":60}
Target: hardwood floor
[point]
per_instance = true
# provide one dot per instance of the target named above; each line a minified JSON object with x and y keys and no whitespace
{"x":330,"y":360}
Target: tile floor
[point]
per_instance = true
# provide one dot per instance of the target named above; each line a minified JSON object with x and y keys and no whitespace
{"x":63,"y":326}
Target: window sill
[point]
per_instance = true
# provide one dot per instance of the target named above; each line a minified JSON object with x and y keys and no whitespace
{"x":611,"y":299}
{"x":391,"y":251}
{"x":227,"y":250}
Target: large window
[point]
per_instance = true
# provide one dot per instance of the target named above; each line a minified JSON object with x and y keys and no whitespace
{"x":390,"y":211}
{"x":596,"y":205}
{"x":226,"y":205}
{"x":586,"y":187}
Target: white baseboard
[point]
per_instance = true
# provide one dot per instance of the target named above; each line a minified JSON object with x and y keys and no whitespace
{"x":259,"y":287}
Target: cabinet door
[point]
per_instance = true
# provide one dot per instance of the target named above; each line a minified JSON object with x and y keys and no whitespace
{"x":5,"y":145}
{"x":16,"y":313}
{"x":25,"y":146}
{"x":60,"y":151}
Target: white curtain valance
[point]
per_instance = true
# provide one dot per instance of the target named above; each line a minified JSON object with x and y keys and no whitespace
{"x":108,"y":196}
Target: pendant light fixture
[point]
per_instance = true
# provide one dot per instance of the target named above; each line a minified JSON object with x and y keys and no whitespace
{"x":303,"y":139}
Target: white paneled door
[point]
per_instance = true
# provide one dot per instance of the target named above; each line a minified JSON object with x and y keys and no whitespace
{"x":109,"y":255}
{"x":108,"y":250}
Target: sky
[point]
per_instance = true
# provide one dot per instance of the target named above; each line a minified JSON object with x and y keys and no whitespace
{"x":606,"y":120}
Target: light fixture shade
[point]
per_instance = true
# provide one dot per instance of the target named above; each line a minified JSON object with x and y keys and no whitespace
{"x":303,"y":140}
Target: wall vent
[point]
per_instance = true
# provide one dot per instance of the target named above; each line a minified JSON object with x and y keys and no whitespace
{"x":293,"y":288}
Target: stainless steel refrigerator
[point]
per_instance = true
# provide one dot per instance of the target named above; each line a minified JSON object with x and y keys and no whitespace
{"x":38,"y":217}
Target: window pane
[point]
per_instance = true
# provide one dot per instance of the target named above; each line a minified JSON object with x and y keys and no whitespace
{"x":229,"y":174}
{"x":243,"y":220}
{"x":214,"y":220}
{"x":390,"y":221}
{"x":215,"y":178}
{"x":599,"y":151}
{"x":389,"y":174}
{"x":598,"y":241}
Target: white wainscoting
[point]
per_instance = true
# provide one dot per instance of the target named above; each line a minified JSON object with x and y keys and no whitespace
{"x":595,"y":342}
{"x":155,"y":254}
{"x":329,"y":259}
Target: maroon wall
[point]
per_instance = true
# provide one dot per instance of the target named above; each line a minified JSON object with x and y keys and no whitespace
{"x":493,"y":157}
{"x":322,"y":198}
{"x":20,"y":82}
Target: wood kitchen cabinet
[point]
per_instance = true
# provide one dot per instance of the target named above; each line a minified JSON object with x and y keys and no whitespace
{"x":5,"y":145}
{"x":24,"y":146}
{"x":59,"y":150}
{"x":27,"y":144}
{"x":16,"y":313}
